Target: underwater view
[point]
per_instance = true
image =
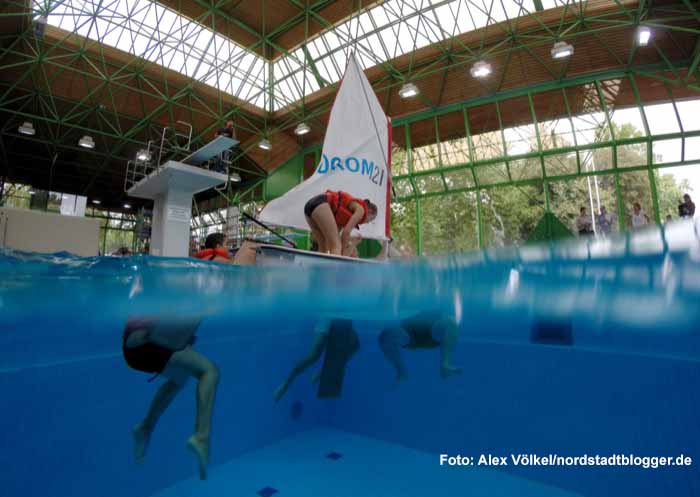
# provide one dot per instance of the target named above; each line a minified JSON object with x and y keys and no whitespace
{"x":541,"y":371}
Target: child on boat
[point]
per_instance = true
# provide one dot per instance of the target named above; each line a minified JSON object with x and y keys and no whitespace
{"x":333,"y":215}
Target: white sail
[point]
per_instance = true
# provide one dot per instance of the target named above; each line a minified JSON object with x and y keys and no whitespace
{"x":356,"y":158}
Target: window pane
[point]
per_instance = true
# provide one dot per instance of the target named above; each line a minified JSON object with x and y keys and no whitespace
{"x":449,"y":223}
{"x":459,"y":179}
{"x":667,"y":151}
{"x":491,"y":174}
{"x":403,"y":226}
{"x":454,"y":146}
{"x":402,"y":187}
{"x":661,"y":119}
{"x":689,"y":111}
{"x":692,"y":148}
{"x":429,"y":184}
{"x":518,"y":128}
{"x":525,"y":169}
{"x":485,"y":132}
{"x":561,"y":164}
{"x":555,"y":127}
{"x":635,"y":188}
{"x":671,"y":184}
{"x":596,"y":194}
{"x":632,"y":155}
{"x":511,"y":213}
{"x":426,"y":153}
{"x":598,"y":159}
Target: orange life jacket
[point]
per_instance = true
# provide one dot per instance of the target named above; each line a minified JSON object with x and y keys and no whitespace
{"x":340,"y":206}
{"x":211,"y":254}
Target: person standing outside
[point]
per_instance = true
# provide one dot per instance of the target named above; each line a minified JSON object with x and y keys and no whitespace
{"x":605,"y":222}
{"x":687,"y":208}
{"x":639,"y":217}
{"x":584,"y":225}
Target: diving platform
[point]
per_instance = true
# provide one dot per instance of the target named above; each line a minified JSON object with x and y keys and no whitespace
{"x":171,"y":186}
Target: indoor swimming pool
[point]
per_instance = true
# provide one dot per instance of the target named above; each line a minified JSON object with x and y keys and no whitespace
{"x":579,"y":348}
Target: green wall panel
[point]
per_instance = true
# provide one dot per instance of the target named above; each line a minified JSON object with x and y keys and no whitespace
{"x":284,"y":178}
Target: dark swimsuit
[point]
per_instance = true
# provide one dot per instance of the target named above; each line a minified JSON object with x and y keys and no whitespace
{"x":420,"y":330}
{"x":149,"y":357}
{"x":311,"y":205}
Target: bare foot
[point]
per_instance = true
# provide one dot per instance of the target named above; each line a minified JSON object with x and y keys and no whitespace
{"x":400,"y":378}
{"x":446,"y":371}
{"x":201,"y":450}
{"x":281,"y":390}
{"x":141,"y":438}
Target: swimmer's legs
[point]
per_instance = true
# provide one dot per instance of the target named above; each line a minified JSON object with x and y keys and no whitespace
{"x":207,"y":375}
{"x":325,"y":220}
{"x":390,"y":341}
{"x":446,"y":332}
{"x":313,"y":356}
{"x":142,"y":431}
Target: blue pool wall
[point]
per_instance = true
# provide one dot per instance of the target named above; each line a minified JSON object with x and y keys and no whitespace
{"x":524,"y":398}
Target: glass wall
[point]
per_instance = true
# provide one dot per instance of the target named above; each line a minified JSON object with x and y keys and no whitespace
{"x":594,"y":145}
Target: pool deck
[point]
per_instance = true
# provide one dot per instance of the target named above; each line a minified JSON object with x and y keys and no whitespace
{"x":331,"y":463}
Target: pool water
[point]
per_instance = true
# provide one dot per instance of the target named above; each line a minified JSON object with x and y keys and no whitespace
{"x":580,"y":348}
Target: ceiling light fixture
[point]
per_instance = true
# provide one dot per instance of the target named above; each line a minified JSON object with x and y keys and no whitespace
{"x":480,"y":69}
{"x":127,"y":206}
{"x":27,"y":129}
{"x":235,"y":177}
{"x":561,"y":50}
{"x":302,"y":129}
{"x":87,"y":142}
{"x":409,"y":90}
{"x":643,"y":36}
{"x":265,"y":144}
{"x":143,"y":155}
{"x":96,"y":202}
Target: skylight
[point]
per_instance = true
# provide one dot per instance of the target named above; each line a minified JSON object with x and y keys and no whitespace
{"x":158,"y":34}
{"x":151,"y":31}
{"x":387,"y":31}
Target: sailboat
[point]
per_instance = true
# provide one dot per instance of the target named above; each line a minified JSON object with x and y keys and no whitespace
{"x":356,"y":158}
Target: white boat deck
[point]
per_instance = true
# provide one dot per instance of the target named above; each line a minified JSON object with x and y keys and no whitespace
{"x":268,"y":254}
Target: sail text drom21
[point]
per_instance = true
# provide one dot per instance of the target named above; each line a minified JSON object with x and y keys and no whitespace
{"x":352,"y":165}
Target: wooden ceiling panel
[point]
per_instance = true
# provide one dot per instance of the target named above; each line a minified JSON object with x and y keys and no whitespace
{"x":284,"y":147}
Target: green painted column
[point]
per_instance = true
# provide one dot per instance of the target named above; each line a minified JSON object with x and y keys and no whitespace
{"x":479,"y":220}
{"x":419,"y":227}
{"x":620,"y":204}
{"x":654,"y":196}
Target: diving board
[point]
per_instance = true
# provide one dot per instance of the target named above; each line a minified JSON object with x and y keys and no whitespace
{"x":325,"y":462}
{"x":210,"y":150}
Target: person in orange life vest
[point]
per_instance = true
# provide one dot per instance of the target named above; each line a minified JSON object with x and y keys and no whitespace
{"x":333,"y":215}
{"x":215,"y":251}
